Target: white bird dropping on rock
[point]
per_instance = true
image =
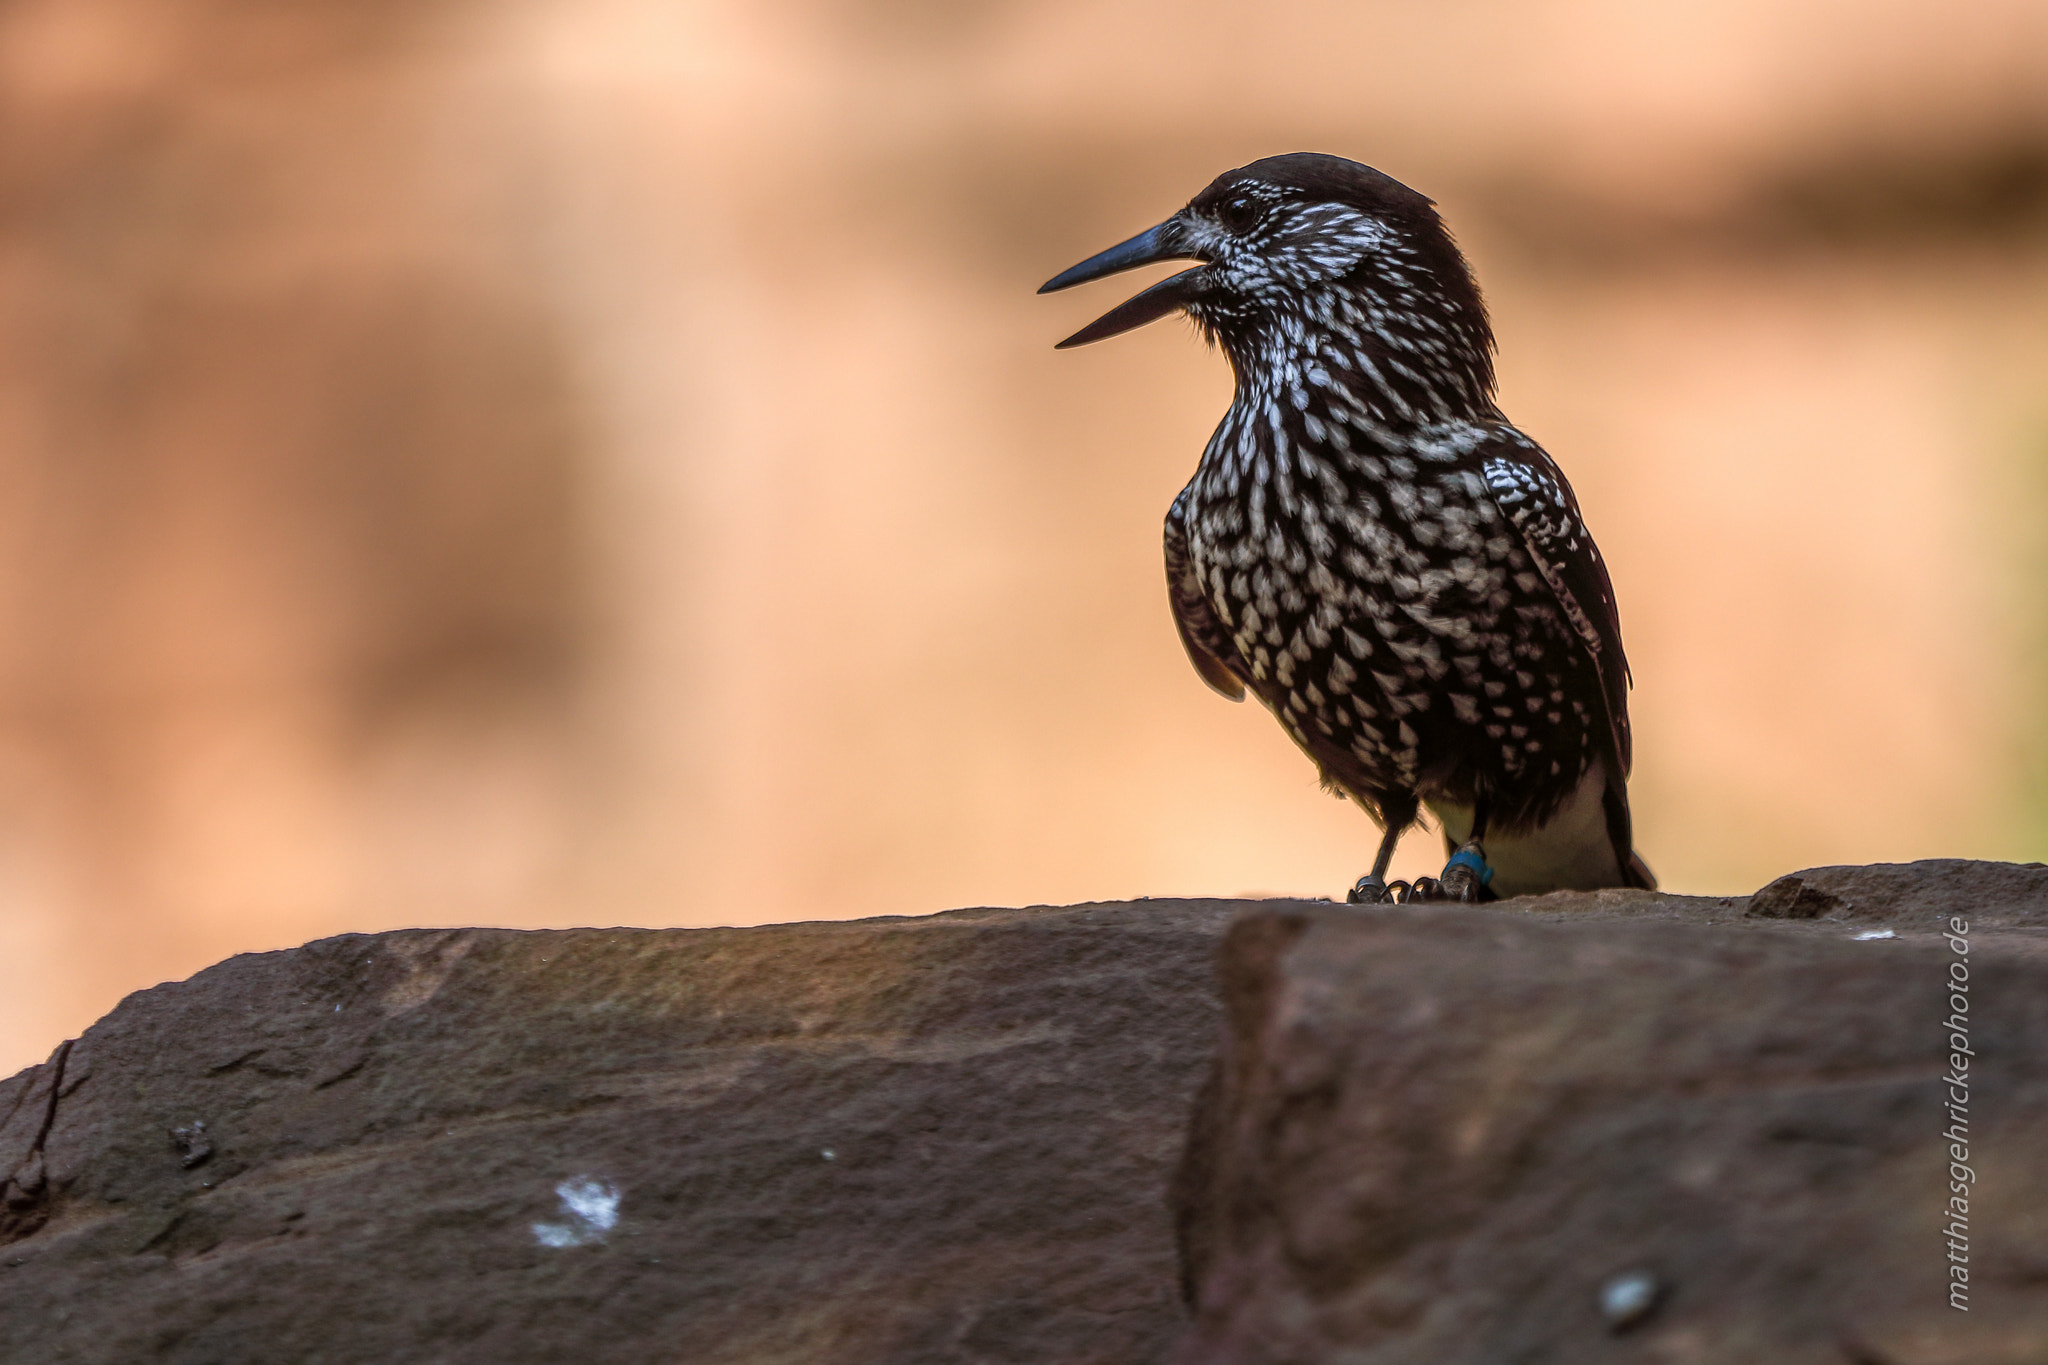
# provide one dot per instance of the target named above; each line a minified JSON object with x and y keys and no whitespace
{"x":593,"y":1209}
{"x":1628,"y":1298}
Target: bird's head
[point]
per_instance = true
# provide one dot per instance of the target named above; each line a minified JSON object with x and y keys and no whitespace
{"x":1305,"y":251}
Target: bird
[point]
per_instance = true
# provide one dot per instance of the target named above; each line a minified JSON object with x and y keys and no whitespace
{"x":1372,"y":549}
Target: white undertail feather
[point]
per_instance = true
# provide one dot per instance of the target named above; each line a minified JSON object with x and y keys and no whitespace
{"x":1574,"y":852}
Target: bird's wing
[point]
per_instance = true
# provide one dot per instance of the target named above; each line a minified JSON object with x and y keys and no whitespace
{"x":1531,"y":491}
{"x":1201,"y":634}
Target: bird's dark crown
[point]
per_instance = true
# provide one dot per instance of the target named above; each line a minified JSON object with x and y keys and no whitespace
{"x":1319,"y":178}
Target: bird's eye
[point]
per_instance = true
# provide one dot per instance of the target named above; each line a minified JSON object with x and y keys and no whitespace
{"x":1238,"y":212}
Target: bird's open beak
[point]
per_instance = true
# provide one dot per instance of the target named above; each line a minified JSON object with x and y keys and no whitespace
{"x":1163,"y":243}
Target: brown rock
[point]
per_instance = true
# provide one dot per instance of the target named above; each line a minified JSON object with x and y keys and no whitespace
{"x":938,"y":1139}
{"x":1625,"y":1127}
{"x":1938,"y":886}
{"x":1573,"y":1128}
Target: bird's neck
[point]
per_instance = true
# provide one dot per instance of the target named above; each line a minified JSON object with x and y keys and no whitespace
{"x":1326,"y":389}
{"x":1375,"y":358}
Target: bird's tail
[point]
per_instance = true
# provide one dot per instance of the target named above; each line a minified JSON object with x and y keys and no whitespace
{"x":1634,"y":871}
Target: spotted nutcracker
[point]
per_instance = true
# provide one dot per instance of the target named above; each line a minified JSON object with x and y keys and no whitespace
{"x":1372,"y":549}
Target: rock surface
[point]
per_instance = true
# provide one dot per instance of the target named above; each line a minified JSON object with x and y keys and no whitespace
{"x":939,"y":1139}
{"x":2003,"y":894}
{"x":1575,"y":1128}
{"x":1627,"y":1127}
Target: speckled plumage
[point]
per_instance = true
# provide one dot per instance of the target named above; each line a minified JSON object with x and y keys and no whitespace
{"x":1368,"y":545}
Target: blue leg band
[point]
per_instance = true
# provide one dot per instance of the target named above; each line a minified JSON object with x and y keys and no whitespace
{"x":1465,"y":857}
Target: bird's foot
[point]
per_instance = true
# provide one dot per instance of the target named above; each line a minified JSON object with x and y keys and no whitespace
{"x":1464,"y":881}
{"x":1466,"y":876}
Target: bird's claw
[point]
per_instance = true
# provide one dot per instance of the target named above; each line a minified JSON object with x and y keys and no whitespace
{"x":1372,"y":890}
{"x":1461,"y":884}
{"x":1427,"y":889}
{"x":1466,"y":875}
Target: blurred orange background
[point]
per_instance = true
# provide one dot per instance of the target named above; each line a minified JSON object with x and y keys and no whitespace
{"x":543,"y":463}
